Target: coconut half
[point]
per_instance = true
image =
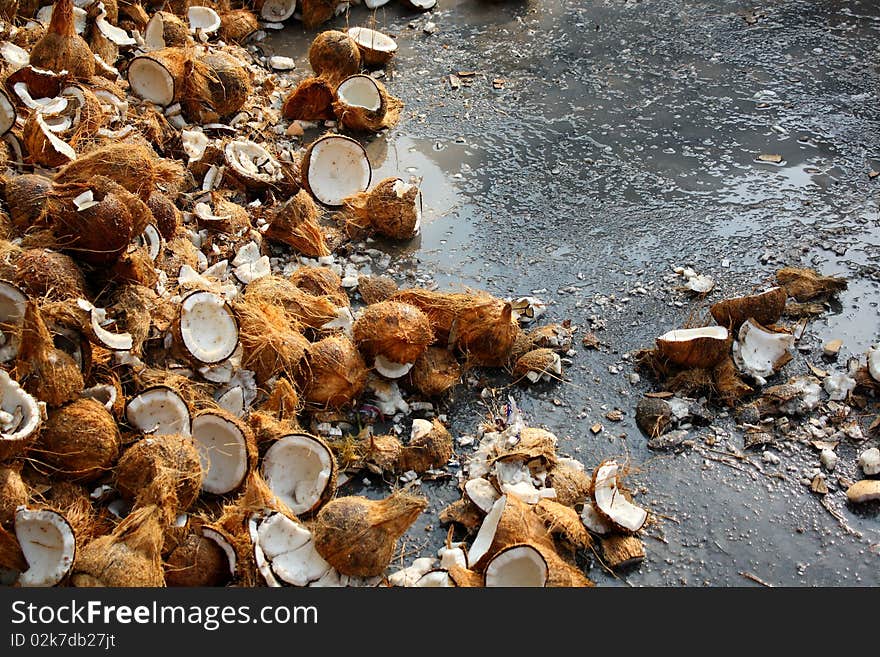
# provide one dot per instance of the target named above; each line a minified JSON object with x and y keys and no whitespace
{"x":208,"y":328}
{"x":7,"y":114}
{"x":108,"y":339}
{"x":376,"y":48}
{"x":759,"y":352}
{"x":481,"y":492}
{"x":611,"y":503}
{"x":301,"y":471}
{"x":359,"y":91}
{"x":697,"y":347}
{"x":203,"y":19}
{"x":252,"y":163}
{"x":12,"y":306}
{"x":276,"y":11}
{"x":223,"y":452}
{"x":48,"y":544}
{"x":518,"y":566}
{"x":284,"y":550}
{"x":20,"y":417}
{"x":159,"y":411}
{"x":334,"y":168}
{"x":486,"y":534}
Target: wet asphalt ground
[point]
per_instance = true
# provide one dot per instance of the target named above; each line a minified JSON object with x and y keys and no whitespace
{"x":597,"y":146}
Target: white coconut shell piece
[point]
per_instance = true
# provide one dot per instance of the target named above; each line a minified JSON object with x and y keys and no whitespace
{"x":223,"y":452}
{"x":611,"y":503}
{"x":411,"y":574}
{"x":865,"y":490}
{"x":47,"y":105}
{"x":108,"y":339}
{"x":334,"y":168}
{"x":225,"y":544}
{"x":421,"y":5}
{"x":517,"y":566}
{"x":452,"y":556}
{"x":277,"y":11}
{"x":14,"y":56}
{"x":61,"y":147}
{"x":195,"y":142}
{"x":390,"y":369}
{"x":12,"y":306}
{"x":359,"y":91}
{"x":233,"y":401}
{"x":435,"y":579}
{"x":759,"y":352}
{"x":252,"y":163}
{"x":115,"y":34}
{"x":481,"y":492}
{"x":208,"y":327}
{"x":486,"y":534}
{"x":300,"y":470}
{"x":594,"y":521}
{"x":288,"y":552}
{"x":152,"y":240}
{"x":7,"y":114}
{"x":874,"y":362}
{"x":203,"y":19}
{"x":159,"y":411}
{"x":21,"y":417}
{"x":48,"y":543}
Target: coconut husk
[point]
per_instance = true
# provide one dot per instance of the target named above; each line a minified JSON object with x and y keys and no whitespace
{"x":61,"y":48}
{"x":765,"y":308}
{"x":374,"y":289}
{"x":153,"y":127}
{"x":175,"y":31}
{"x":80,"y":441}
{"x":810,"y":309}
{"x":142,"y":309}
{"x":360,"y":119}
{"x":13,"y":492}
{"x":564,"y":522}
{"x":808,"y":284}
{"x":135,"y":266}
{"x":234,"y":219}
{"x":133,"y":16}
{"x":358,"y":536}
{"x":865,"y":381}
{"x":698,"y":352}
{"x":382,"y":454}
{"x":391,"y":215}
{"x":40,"y":149}
{"x":307,"y":309}
{"x":47,"y":274}
{"x":26,"y":199}
{"x":533,"y":444}
{"x":539,"y":361}
{"x":398,"y":331}
{"x":653,"y":416}
{"x":11,"y":556}
{"x":73,"y":502}
{"x":101,"y":46}
{"x":197,"y":561}
{"x":572,"y":486}
{"x":691,"y":383}
{"x":177,"y":253}
{"x":333,"y":55}
{"x":430,"y":450}
{"x":166,"y":215}
{"x":312,"y":100}
{"x":334,"y":372}
{"x":171,"y":456}
{"x":237,"y":25}
{"x":267,"y":427}
{"x":283,"y":402}
{"x":215,"y":86}
{"x":196,"y":395}
{"x":462,"y":512}
{"x":295,"y":223}
{"x":519,"y":523}
{"x":465,"y":578}
{"x":270,"y":338}
{"x":320,"y":282}
{"x":620,"y":552}
{"x":561,"y":573}
{"x":435,"y":372}
{"x":728,"y":384}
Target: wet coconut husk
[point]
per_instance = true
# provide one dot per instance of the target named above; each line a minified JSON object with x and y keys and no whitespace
{"x":48,"y":373}
{"x":26,"y":199}
{"x":333,"y":55}
{"x":335,"y":372}
{"x":312,"y":100}
{"x":572,"y":485}
{"x":765,"y":308}
{"x":142,"y":309}
{"x":564,"y":522}
{"x":80,"y":441}
{"x":392,"y":209}
{"x":374,"y":289}
{"x":13,"y":492}
{"x":237,"y":25}
{"x":307,"y":309}
{"x":47,"y":274}
{"x":430,"y":447}
{"x":435,"y":372}
{"x":320,"y":282}
{"x":295,"y":223}
{"x":197,"y":561}
{"x":518,"y":523}
{"x":397,"y":331}
{"x":171,"y":457}
{"x":695,"y":348}
{"x":691,"y":383}
{"x":62,"y":49}
{"x":358,"y":536}
{"x":561,"y":573}
{"x":216,"y":86}
{"x":808,"y":284}
{"x":728,"y":384}
{"x":271,"y":339}
{"x":165,"y":213}
{"x":537,"y":363}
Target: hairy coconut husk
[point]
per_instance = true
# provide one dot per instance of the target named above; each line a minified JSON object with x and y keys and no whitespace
{"x":397,"y":331}
{"x":175,"y":31}
{"x":382,"y":454}
{"x":765,"y":308}
{"x":357,"y":536}
{"x":283,"y":402}
{"x":134,"y":166}
{"x":196,"y":395}
{"x":435,"y":372}
{"x":11,"y":555}
{"x":13,"y":492}
{"x":73,"y":502}
{"x":48,"y":373}
{"x":728,"y":384}
{"x":170,"y":456}
{"x":80,"y":441}
{"x":703,"y":351}
{"x":135,"y":266}
{"x":391,"y":214}
{"x":142,"y":309}
{"x":538,"y":361}
{"x":197,"y":561}
{"x":103,"y":47}
{"x":335,"y":372}
{"x":619,"y":552}
{"x":177,"y":253}
{"x":307,"y":309}
{"x":47,"y":274}
{"x":9,"y":254}
{"x":215,"y":86}
{"x":320,"y":282}
{"x":267,"y":427}
{"x":61,"y":48}
{"x":333,"y":55}
{"x":361,"y":119}
{"x":534,"y":443}
{"x":465,"y":578}
{"x":26,"y":199}
{"x":462,"y":512}
{"x":809,"y":309}
{"x":690,"y":383}
{"x":564,"y":522}
{"x":561,"y":573}
{"x":572,"y":486}
{"x":237,"y":25}
{"x":312,"y":100}
{"x":295,"y":223}
{"x":374,"y":289}
{"x":808,"y":284}
{"x":233,"y":218}
{"x":270,"y":337}
{"x":132,"y":15}
{"x":167,"y":216}
{"x":129,"y":556}
{"x":431,"y":449}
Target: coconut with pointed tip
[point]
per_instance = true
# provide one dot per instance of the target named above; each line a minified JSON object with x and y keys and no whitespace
{"x":13,"y":492}
{"x":358,"y":536}
{"x":765,"y":308}
{"x":376,"y":48}
{"x":335,"y":372}
{"x":393,"y":334}
{"x":611,"y":503}
{"x":759,"y":352}
{"x":435,"y":372}
{"x":334,"y":168}
{"x":80,"y":441}
{"x":301,"y":470}
{"x":61,"y":48}
{"x":26,"y":198}
{"x":362,"y":104}
{"x":320,"y":282}
{"x":226,"y":449}
{"x":172,"y":456}
{"x":238,"y":25}
{"x":47,"y":274}
{"x":312,"y":100}
{"x":295,"y":223}
{"x":48,"y":545}
{"x":518,"y":565}
{"x":308,"y":310}
{"x":206,"y":328}
{"x":429,"y":446}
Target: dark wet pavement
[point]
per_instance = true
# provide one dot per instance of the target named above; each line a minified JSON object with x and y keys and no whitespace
{"x":621,"y":144}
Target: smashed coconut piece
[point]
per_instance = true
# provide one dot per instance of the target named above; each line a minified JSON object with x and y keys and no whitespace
{"x":284,"y":550}
{"x":839,"y":385}
{"x":301,"y":471}
{"x":611,"y":503}
{"x":869,"y":461}
{"x":413,"y":573}
{"x":48,"y":543}
{"x":759,"y":352}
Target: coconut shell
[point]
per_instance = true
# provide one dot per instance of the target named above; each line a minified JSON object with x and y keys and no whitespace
{"x":619,"y":552}
{"x":47,"y":274}
{"x":462,"y":512}
{"x":334,"y":371}
{"x":561,"y":573}
{"x":808,"y":284}
{"x":167,"y":216}
{"x":534,"y":444}
{"x":73,"y":502}
{"x":465,"y":578}
{"x":374,"y":289}
{"x":398,"y":331}
{"x":237,"y":25}
{"x":13,"y":492}
{"x":393,"y":216}
{"x":361,"y":119}
{"x":177,"y":253}
{"x":435,"y":372}
{"x":41,"y":151}
{"x":175,"y":32}
{"x":197,"y":561}
{"x":729,"y":385}
{"x":320,"y":282}
{"x":61,"y":48}
{"x":215,"y":86}
{"x":283,"y":402}
{"x":270,"y":338}
{"x":653,"y":416}
{"x":80,"y":441}
{"x":765,"y":308}
{"x":431,"y":450}
{"x":382,"y":454}
{"x":295,"y":223}
{"x":11,"y":556}
{"x":572,"y":486}
{"x":540,"y":361}
{"x":133,"y":16}
{"x":564,"y":522}
{"x":26,"y":199}
{"x":150,"y":457}
{"x":358,"y":536}
{"x":699,"y":352}
{"x":312,"y":100}
{"x":519,"y":523}
{"x":333,"y":55}
{"x":308,"y":310}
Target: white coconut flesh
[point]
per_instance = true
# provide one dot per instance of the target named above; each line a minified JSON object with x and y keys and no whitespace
{"x":686,"y":335}
{"x":372,"y":39}
{"x":108,"y":339}
{"x":298,"y":469}
{"x":195,"y":142}
{"x":359,"y":91}
{"x":435,"y":579}
{"x":104,"y":394}
{"x":12,"y":307}
{"x":232,"y":401}
{"x":159,"y":411}
{"x":389,"y":369}
{"x":115,"y":34}
{"x":152,"y":239}
{"x":225,"y":371}
{"x":874,"y":363}
{"x":424,"y":5}
{"x":7,"y":113}
{"x":593,"y":521}
{"x":486,"y":535}
{"x":517,"y":566}
{"x":251,"y":160}
{"x":19,"y":412}
{"x":222,"y":451}
{"x":60,"y":146}
{"x":208,"y":327}
{"x":15,"y":56}
{"x":757,"y":351}
{"x":80,"y":17}
{"x":275,"y":11}
{"x":154,"y":33}
{"x":554,"y":367}
{"x":224,"y":544}
{"x":611,"y":502}
{"x":481,"y":492}
{"x":48,"y":545}
{"x":287,"y":550}
{"x":338,"y":168}
{"x":151,"y":81}
{"x":45,"y":105}
{"x":203,"y":19}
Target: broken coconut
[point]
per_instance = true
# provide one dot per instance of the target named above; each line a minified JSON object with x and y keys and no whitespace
{"x":765,"y":308}
{"x":392,"y":209}
{"x":519,"y":565}
{"x":429,"y":446}
{"x":20,"y":418}
{"x":48,"y":544}
{"x":312,"y":100}
{"x":226,"y":450}
{"x":301,"y":470}
{"x":376,"y":48}
{"x":159,"y":411}
{"x":394,"y":334}
{"x":206,"y":328}
{"x":759,"y":352}
{"x":285,"y":550}
{"x":538,"y":365}
{"x":611,"y":503}
{"x":435,"y":372}
{"x":61,"y":48}
{"x":697,"y":347}
{"x":363,"y":104}
{"x":295,"y":223}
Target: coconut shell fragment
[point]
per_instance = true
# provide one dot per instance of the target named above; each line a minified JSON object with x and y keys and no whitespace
{"x":312,"y":100}
{"x":765,"y":308}
{"x":430,"y":446}
{"x":808,"y":284}
{"x":700,"y":347}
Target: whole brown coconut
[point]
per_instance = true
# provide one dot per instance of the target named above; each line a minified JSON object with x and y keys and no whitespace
{"x":216,"y":86}
{"x":167,"y":216}
{"x":270,"y":338}
{"x":80,"y":440}
{"x":435,"y":372}
{"x":26,"y":198}
{"x":312,"y":100}
{"x":397,"y":331}
{"x":335,"y":372}
{"x":170,"y":456}
{"x":237,"y":25}
{"x":47,"y":274}
{"x":374,"y":289}
{"x":197,"y":561}
{"x":320,"y":282}
{"x":333,"y":55}
{"x":765,"y":308}
{"x":295,"y":223}
{"x":357,"y":536}
{"x":62,"y":49}
{"x":13,"y":492}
